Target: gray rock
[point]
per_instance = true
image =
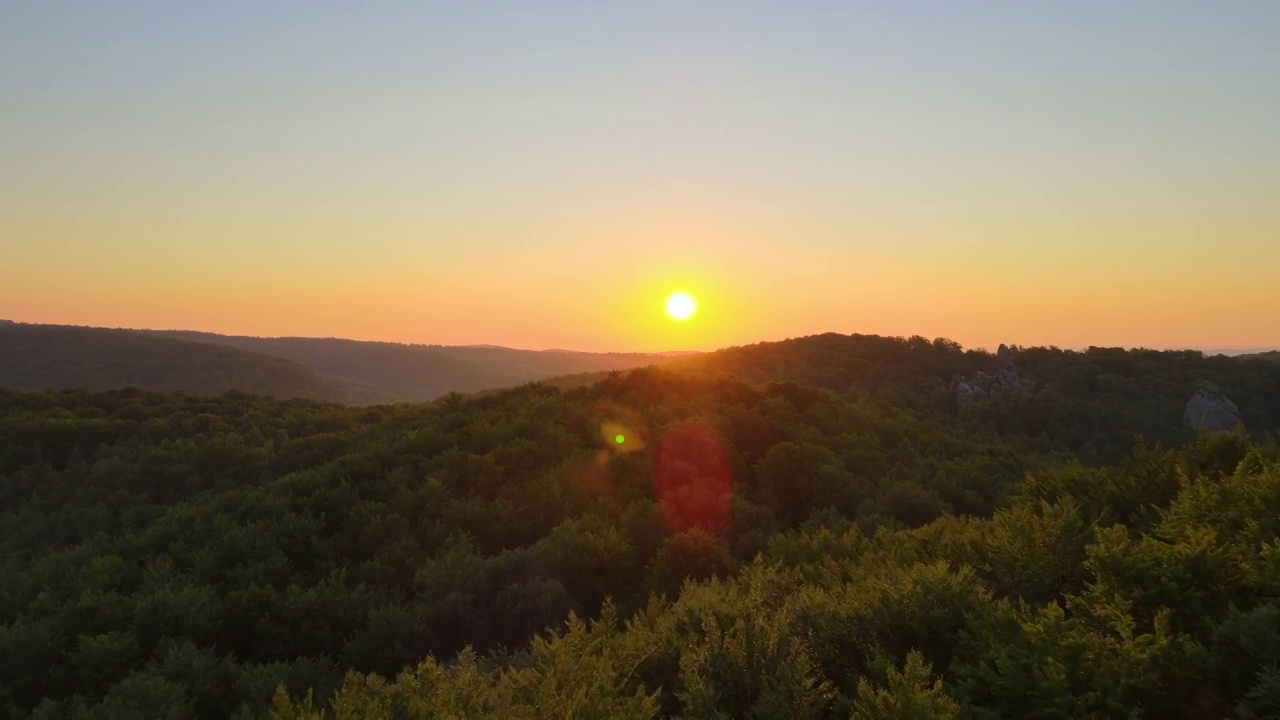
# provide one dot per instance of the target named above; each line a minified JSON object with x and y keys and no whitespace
{"x":967,"y":390}
{"x":1004,"y":352}
{"x":1210,"y":410}
{"x":983,"y":385}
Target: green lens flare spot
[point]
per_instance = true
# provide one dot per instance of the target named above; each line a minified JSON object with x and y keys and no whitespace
{"x":619,"y":438}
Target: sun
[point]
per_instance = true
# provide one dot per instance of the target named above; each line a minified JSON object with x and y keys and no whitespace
{"x":680,"y":306}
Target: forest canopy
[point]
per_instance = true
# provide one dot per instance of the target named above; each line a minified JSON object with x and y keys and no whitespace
{"x":813,"y":528}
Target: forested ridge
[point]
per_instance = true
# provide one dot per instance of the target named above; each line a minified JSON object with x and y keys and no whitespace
{"x":1270,"y":355}
{"x":385,"y":372}
{"x":59,"y":357}
{"x":41,"y":357}
{"x":812,"y":528}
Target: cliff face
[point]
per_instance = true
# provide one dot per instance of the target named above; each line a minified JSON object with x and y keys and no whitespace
{"x":1210,"y":410}
{"x":983,"y":385}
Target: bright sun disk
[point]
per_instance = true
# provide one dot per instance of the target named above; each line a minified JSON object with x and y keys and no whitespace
{"x":680,"y":305}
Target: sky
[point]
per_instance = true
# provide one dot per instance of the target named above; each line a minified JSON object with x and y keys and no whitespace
{"x":541,"y":175}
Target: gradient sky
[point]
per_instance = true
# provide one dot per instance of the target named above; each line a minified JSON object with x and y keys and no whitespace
{"x":542,"y":174}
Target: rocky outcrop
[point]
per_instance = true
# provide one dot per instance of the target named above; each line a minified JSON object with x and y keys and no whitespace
{"x":1004,"y":353}
{"x":983,"y":385}
{"x":1210,"y":410}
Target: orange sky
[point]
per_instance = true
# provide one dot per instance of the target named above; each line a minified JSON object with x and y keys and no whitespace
{"x":1073,"y":175}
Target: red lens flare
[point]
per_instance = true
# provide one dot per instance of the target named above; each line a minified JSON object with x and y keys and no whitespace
{"x":692,"y":483}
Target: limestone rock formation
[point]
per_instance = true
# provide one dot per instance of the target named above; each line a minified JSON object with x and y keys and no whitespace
{"x":983,"y":385}
{"x":1210,"y":410}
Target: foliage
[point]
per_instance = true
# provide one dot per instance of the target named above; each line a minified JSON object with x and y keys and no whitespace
{"x":753,"y":549}
{"x":39,"y":357}
{"x":380,"y":372}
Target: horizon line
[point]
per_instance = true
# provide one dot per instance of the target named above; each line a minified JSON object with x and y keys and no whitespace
{"x":1207,"y":350}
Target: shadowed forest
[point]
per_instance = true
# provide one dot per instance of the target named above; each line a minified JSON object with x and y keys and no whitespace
{"x":57,"y":357}
{"x":815,"y":528}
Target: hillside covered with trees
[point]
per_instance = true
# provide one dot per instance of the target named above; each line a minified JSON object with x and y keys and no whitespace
{"x":1091,"y":403}
{"x":1269,"y":356}
{"x":814,"y":528}
{"x":384,"y":372}
{"x":55,"y":357}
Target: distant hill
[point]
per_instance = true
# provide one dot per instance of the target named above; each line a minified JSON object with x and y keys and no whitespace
{"x":45,"y":357}
{"x":380,"y":372}
{"x":1271,"y":356}
{"x":1237,"y":352}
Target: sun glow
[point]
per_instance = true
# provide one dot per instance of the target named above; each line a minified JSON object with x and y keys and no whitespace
{"x":680,"y":306}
